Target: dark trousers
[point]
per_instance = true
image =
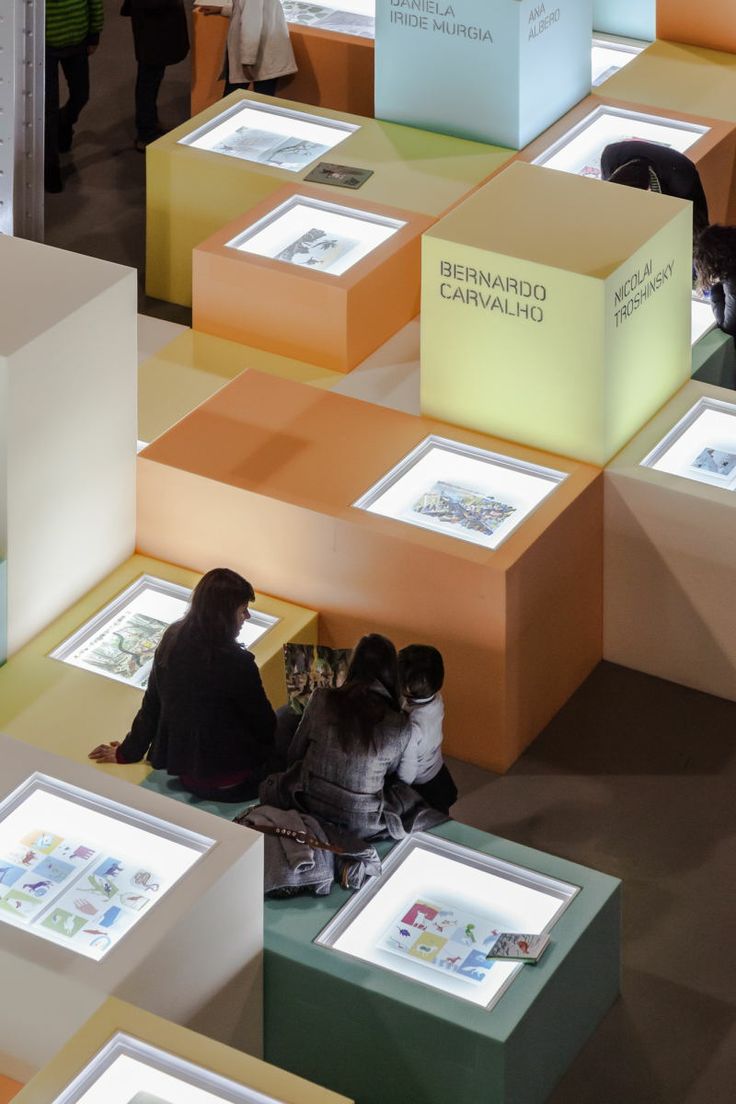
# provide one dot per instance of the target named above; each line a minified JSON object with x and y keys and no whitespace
{"x":147,"y":84}
{"x":265,"y":87}
{"x":60,"y":121}
{"x":440,"y":792}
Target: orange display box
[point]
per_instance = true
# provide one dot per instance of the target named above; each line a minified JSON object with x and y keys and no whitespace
{"x":709,"y":143}
{"x":265,"y":476}
{"x":323,"y":282}
{"x":8,"y":1089}
{"x":712,"y":25}
{"x":333,"y":70}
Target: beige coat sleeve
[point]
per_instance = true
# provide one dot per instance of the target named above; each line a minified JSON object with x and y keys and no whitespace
{"x":259,"y":46}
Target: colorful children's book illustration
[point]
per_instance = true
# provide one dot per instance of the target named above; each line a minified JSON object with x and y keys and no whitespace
{"x":316,"y":249}
{"x":454,"y":506}
{"x":715,"y":462}
{"x":9,"y":873}
{"x":519,"y":947}
{"x":22,"y":905}
{"x":309,"y":666}
{"x":123,"y":649}
{"x":54,"y":869}
{"x":444,"y":938}
{"x":268,"y":148}
{"x":63,"y":922}
{"x":41,"y":841}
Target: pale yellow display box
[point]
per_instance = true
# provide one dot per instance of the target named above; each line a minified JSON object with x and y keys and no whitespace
{"x":556,"y":311}
{"x":195,"y":185}
{"x":670,"y":519}
{"x":124,"y":1050}
{"x":68,"y":709}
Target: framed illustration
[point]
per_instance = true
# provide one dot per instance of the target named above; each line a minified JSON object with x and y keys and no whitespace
{"x":270,"y":135}
{"x":351,"y":17}
{"x":461,"y":491}
{"x":81,"y":870}
{"x":701,"y":447}
{"x":437,"y":909}
{"x":579,"y":151}
{"x":119,"y":641}
{"x":609,"y":55}
{"x":316,"y":235}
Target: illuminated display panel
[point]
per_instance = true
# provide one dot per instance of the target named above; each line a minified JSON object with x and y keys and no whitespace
{"x":609,"y":55}
{"x":702,"y":317}
{"x":269,"y":135}
{"x":579,"y":151}
{"x":701,"y":447}
{"x":352,"y":17}
{"x":316,"y":235}
{"x":120,"y":640}
{"x":435,"y":911}
{"x":461,"y":491}
{"x":80,"y":870}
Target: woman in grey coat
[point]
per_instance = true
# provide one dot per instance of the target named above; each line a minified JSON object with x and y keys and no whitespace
{"x":347,"y":750}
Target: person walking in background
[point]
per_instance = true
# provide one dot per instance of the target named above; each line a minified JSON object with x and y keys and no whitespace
{"x":160,"y":38}
{"x":258,"y":44}
{"x":72,"y":34}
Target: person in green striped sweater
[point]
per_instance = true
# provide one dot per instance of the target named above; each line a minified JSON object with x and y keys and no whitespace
{"x":72,"y":34}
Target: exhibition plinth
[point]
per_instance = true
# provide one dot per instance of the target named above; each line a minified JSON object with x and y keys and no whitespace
{"x":714,"y":359}
{"x":712,"y":25}
{"x":233,"y":155}
{"x":68,"y":327}
{"x":670,"y":519}
{"x":576,"y":142}
{"x":556,"y":311}
{"x":108,"y":889}
{"x":520,"y":65}
{"x":80,"y":682}
{"x":406,"y":955}
{"x":124,"y":1054}
{"x":9,"y":1089}
{"x":322,"y":281}
{"x":632,"y":18}
{"x":358,"y":511}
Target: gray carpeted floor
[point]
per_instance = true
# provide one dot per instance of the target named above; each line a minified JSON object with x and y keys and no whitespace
{"x":635,"y":776}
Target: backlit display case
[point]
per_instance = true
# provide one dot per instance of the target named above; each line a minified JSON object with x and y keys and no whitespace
{"x":120,"y":640}
{"x":81,"y":870}
{"x":130,"y":1071}
{"x":435,"y":911}
{"x":351,"y":17}
{"x":579,"y":151}
{"x":461,"y":491}
{"x":269,"y":135}
{"x":703,"y":319}
{"x":702,"y":446}
{"x":316,"y":234}
{"x":609,"y":55}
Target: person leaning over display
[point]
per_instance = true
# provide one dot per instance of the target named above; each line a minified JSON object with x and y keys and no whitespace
{"x":205,"y":716}
{"x":258,"y":44}
{"x":714,"y":258}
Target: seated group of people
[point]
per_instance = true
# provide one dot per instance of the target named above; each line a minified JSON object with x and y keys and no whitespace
{"x":366,"y":757}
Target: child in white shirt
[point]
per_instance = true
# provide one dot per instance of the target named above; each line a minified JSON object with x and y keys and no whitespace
{"x":421,"y":673}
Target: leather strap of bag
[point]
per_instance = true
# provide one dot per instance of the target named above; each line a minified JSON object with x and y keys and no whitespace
{"x":297,"y":835}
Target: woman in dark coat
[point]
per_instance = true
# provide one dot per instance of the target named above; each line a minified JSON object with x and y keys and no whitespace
{"x":160,"y":38}
{"x":714,"y":258}
{"x":205,"y":715}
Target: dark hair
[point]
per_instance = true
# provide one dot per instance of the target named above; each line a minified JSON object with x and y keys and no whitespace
{"x":421,"y":671}
{"x":634,"y":174}
{"x":358,"y":705}
{"x":714,"y":255}
{"x":211,"y":617}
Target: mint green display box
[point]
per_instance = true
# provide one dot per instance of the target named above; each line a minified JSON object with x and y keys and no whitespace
{"x":556,"y":311}
{"x":387,"y":1026}
{"x":498,"y":71}
{"x":631,"y":18}
{"x":714,"y":359}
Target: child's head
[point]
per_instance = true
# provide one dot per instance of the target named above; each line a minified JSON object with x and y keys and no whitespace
{"x":421,"y":671}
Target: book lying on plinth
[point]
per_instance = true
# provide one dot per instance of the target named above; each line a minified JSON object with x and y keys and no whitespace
{"x":519,"y":947}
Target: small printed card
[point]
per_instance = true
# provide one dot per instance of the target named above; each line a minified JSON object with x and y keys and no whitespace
{"x":514,"y":946}
{"x":715,"y":462}
{"x":342,"y":176}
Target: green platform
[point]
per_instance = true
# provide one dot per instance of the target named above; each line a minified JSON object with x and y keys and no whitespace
{"x":381,"y":1039}
{"x":714,"y":359}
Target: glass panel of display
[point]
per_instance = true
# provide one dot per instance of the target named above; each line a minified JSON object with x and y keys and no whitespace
{"x":351,"y":17}
{"x":579,"y":151}
{"x":81,"y":870}
{"x":461,"y":491}
{"x":702,"y":317}
{"x":702,"y":446}
{"x":437,"y":908}
{"x":314,"y":234}
{"x":609,"y":55}
{"x":274,"y":136}
{"x":130,"y":1071}
{"x":120,"y":640}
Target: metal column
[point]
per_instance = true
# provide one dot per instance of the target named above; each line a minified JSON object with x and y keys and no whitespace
{"x":21,"y":117}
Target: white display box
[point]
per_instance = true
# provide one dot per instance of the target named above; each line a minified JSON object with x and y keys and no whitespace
{"x":189,"y":941}
{"x":702,"y":446}
{"x":316,"y":234}
{"x":579,"y":151}
{"x":270,"y":135}
{"x":461,"y":491}
{"x":435,"y":911}
{"x":351,"y":17}
{"x":609,"y":55}
{"x":120,"y":640}
{"x":703,"y":319}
